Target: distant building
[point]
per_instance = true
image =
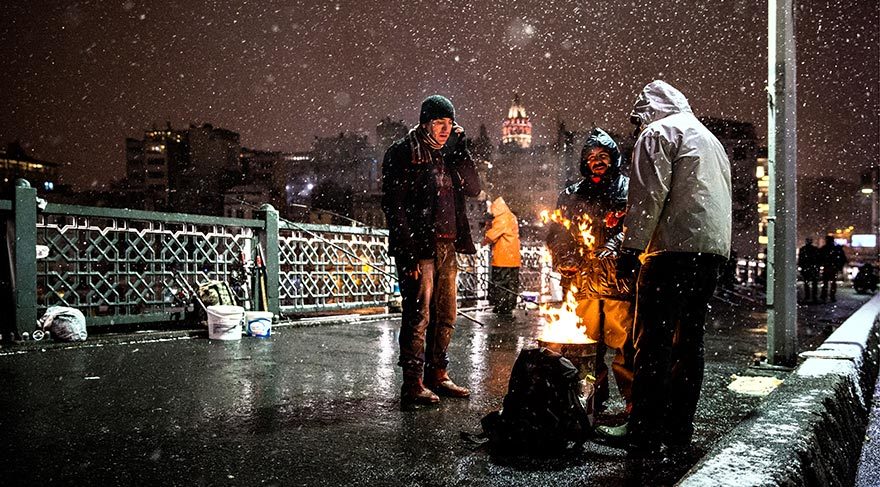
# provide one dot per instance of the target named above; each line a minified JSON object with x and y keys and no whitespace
{"x":569,"y":154}
{"x":184,"y":170}
{"x":154,"y":163}
{"x":526,"y":176}
{"x":387,"y":132}
{"x":741,"y":145}
{"x":763,"y":177}
{"x":516,"y":129}
{"x":15,"y":164}
{"x":243,"y":201}
{"x":348,"y":159}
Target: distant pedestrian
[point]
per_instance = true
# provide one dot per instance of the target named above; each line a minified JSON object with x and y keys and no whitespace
{"x":503,"y":235}
{"x":605,"y":303}
{"x":679,"y":222}
{"x":808,"y":261}
{"x":425,"y":178}
{"x":833,"y":259}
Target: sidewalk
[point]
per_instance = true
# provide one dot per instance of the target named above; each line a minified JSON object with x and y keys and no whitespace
{"x":318,"y":406}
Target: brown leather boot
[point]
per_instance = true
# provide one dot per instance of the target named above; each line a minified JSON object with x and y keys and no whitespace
{"x":438,"y":380}
{"x":414,"y":392}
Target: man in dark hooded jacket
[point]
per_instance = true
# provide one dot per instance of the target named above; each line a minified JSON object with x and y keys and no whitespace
{"x":584,"y":238}
{"x":425,"y":178}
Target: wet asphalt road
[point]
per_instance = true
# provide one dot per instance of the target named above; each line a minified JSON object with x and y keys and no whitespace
{"x":318,"y":406}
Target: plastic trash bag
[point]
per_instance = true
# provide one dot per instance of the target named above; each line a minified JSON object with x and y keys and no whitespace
{"x":65,"y":324}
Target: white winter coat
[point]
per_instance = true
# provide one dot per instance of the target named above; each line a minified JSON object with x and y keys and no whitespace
{"x":679,"y":190}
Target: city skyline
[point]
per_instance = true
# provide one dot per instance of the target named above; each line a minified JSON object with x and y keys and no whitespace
{"x":81,"y":78}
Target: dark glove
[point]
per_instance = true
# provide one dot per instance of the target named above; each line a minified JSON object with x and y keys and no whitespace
{"x":456,"y":145}
{"x":628,"y":264}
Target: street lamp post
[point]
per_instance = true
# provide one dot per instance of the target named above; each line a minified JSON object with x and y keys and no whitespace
{"x":782,"y":170}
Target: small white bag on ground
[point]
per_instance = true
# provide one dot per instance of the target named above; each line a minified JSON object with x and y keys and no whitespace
{"x":65,"y":324}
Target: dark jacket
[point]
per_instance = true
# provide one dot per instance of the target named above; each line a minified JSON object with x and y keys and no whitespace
{"x":602,"y":201}
{"x":832,"y":258}
{"x":409,"y":199}
{"x":809,"y":260}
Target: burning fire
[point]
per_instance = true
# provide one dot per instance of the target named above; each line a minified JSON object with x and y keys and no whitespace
{"x":563,"y":324}
{"x":583,"y":225}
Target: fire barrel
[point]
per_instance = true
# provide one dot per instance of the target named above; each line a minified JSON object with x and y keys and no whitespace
{"x":581,"y":355}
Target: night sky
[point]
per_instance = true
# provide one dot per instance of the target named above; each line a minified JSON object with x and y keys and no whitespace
{"x":81,"y":77}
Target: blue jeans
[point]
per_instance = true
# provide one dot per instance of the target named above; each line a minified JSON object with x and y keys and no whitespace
{"x":429,"y":310}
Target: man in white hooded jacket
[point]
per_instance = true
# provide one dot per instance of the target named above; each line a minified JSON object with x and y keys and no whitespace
{"x":678,"y":226}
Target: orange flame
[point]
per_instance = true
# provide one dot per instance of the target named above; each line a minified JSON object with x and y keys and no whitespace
{"x":562,"y":325}
{"x":583,"y":225}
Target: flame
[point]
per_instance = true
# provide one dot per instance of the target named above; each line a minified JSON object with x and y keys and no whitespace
{"x":563,"y":324}
{"x":583,"y":225}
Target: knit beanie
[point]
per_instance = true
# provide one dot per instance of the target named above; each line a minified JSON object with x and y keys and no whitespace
{"x":434,"y":107}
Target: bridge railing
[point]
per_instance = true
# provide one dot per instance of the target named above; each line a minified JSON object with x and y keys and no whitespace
{"x":122,"y":266}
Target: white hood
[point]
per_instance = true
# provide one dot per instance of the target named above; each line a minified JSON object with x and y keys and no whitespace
{"x":680,"y":189}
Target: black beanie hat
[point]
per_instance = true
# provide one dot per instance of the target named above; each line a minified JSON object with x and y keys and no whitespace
{"x":434,"y":107}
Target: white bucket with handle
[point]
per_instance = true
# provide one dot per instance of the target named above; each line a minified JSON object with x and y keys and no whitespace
{"x":224,"y":322}
{"x":259,"y":323}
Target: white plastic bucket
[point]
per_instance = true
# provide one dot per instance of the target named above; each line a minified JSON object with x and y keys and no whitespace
{"x":224,"y":322}
{"x":259,"y":323}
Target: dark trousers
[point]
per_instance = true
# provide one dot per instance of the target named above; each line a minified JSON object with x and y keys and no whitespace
{"x":504,"y":289}
{"x":672,"y":297}
{"x":811,"y":290}
{"x":829,"y":285}
{"x":429,"y":310}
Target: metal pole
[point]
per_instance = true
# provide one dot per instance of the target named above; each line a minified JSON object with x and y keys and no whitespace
{"x":875,"y":210}
{"x":782,"y":169}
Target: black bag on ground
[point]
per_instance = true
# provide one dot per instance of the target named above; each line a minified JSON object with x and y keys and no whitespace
{"x":542,"y":411}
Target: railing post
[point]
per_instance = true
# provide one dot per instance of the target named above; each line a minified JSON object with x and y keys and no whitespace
{"x":24,"y":248}
{"x":269,"y":242}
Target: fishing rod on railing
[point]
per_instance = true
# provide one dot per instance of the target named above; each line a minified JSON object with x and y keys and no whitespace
{"x":347,"y":252}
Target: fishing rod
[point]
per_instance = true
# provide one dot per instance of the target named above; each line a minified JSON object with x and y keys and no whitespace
{"x":350,"y":254}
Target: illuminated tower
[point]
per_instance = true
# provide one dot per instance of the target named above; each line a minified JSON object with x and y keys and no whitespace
{"x":517,"y":129}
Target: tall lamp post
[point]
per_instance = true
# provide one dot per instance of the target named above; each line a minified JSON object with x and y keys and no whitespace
{"x":782,"y":169}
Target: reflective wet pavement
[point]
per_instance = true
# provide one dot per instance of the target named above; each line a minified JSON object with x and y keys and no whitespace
{"x":318,"y":406}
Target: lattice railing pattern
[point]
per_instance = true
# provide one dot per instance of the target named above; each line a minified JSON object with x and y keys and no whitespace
{"x":121,"y":268}
{"x":473,"y":274}
{"x":324,"y":267}
{"x":114,"y":266}
{"x":534,"y":275}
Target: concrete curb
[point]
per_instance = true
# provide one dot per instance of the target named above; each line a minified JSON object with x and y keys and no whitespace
{"x":810,"y":429}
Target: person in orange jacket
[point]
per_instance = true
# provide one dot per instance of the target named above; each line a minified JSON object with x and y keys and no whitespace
{"x":503,"y":234}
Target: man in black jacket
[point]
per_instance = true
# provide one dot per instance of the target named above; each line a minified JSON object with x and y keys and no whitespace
{"x":833,"y":259}
{"x":605,"y":304}
{"x":425,"y":178}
